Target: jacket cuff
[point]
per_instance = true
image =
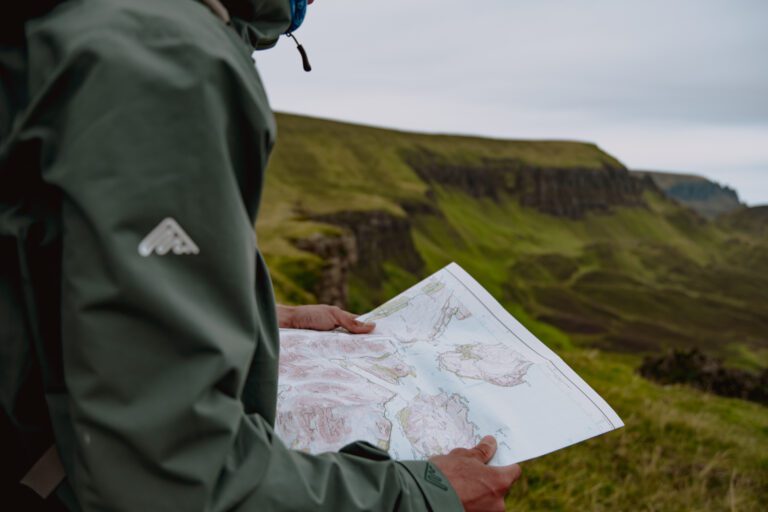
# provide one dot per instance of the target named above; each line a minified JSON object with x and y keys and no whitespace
{"x":434,"y":486}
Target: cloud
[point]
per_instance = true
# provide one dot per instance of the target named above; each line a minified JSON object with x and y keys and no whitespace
{"x":666,"y":84}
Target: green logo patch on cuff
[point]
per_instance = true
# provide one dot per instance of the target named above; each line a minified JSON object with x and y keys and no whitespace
{"x":432,"y":476}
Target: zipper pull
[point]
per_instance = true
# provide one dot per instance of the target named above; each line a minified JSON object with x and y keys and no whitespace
{"x":304,"y":58}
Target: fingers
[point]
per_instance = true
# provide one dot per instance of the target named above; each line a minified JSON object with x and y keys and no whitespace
{"x":349,"y":322}
{"x":484,"y":450}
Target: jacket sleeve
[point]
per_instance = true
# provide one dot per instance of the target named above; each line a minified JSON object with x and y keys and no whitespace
{"x":148,"y":142}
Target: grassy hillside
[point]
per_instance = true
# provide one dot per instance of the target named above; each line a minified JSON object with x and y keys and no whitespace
{"x":749,"y":222}
{"x":600,"y":265}
{"x":680,"y":450}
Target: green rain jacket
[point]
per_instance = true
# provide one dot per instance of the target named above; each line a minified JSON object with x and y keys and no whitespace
{"x":154,"y":368}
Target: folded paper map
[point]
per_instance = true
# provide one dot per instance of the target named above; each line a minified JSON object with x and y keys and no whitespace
{"x":446,"y":365}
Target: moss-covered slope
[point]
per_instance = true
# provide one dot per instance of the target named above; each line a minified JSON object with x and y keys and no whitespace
{"x":557,"y":229}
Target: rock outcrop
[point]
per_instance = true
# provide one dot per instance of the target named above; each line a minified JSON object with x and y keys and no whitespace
{"x":339,"y":254}
{"x":369,"y":240}
{"x":576,"y":192}
{"x":564,"y":192}
{"x":696,"y":369}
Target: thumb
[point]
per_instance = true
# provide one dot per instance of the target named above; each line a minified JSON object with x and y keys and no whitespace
{"x":484,"y":450}
{"x":349,"y":322}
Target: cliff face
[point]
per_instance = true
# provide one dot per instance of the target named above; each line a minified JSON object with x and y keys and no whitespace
{"x":564,"y":192}
{"x":708,"y":198}
{"x":575,"y":192}
{"x":339,"y":255}
{"x":379,"y":237}
{"x":370,"y":239}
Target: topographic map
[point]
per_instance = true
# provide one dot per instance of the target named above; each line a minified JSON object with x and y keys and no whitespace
{"x":445,"y":365}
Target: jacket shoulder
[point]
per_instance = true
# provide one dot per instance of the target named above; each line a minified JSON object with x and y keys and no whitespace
{"x":143,"y":33}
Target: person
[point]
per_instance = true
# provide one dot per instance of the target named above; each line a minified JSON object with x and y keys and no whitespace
{"x":138,"y":327}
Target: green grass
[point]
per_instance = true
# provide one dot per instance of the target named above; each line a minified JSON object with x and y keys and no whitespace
{"x":629,"y":282}
{"x":680,"y":450}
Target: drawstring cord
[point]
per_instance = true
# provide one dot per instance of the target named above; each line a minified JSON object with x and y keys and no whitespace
{"x":302,"y":51}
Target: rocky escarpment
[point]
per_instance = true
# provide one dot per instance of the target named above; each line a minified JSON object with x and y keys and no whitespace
{"x":339,"y":255}
{"x":379,"y":237}
{"x":708,"y":198}
{"x":369,"y":240}
{"x":575,"y":192}
{"x":565,"y":192}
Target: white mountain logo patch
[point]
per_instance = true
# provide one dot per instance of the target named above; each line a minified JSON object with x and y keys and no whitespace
{"x":167,"y":237}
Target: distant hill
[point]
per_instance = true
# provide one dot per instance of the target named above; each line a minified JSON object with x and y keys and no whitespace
{"x":595,"y":260}
{"x":704,"y":196}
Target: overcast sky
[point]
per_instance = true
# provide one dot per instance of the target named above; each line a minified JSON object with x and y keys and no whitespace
{"x":679,"y":85}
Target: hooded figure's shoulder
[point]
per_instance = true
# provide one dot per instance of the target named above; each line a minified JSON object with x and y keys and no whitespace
{"x":81,"y":35}
{"x":102,"y":26}
{"x":258,"y":22}
{"x":109,"y":54}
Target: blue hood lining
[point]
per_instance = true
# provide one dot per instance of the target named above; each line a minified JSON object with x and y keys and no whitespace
{"x":298,"y":11}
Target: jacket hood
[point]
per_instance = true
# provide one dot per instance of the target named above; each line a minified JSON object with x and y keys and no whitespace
{"x":260,"y":22}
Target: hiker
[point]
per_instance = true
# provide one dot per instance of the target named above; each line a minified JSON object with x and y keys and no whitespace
{"x":138,"y":327}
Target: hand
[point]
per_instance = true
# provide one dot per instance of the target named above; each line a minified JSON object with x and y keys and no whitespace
{"x":481,"y":488}
{"x":321,"y":318}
